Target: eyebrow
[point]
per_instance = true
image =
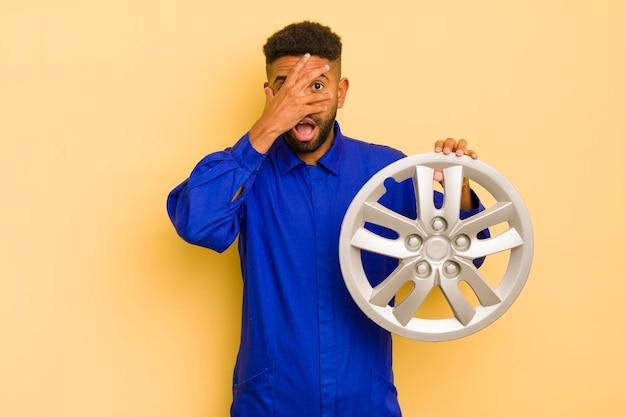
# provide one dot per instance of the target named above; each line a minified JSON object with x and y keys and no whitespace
{"x":282,"y":78}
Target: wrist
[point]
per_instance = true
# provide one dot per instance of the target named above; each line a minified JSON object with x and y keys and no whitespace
{"x":262,"y":136}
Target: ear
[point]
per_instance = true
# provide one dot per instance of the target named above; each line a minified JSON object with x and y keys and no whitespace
{"x":342,"y":90}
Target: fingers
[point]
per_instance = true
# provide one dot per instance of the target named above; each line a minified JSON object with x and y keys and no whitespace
{"x":295,"y":72}
{"x":295,"y":89}
{"x":449,"y":146}
{"x":459,"y":148}
{"x":301,"y":76}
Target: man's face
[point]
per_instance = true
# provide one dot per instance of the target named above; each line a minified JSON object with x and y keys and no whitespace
{"x":313,"y":132}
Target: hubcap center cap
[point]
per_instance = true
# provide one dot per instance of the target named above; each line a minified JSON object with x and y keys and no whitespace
{"x":437,"y":248}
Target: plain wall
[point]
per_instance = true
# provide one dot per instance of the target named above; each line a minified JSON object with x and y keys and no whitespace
{"x":107,"y":105}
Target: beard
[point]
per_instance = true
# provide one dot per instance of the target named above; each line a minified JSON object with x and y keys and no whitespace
{"x":325,"y":127}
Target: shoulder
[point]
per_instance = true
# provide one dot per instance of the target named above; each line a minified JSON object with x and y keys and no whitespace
{"x":369,"y":151}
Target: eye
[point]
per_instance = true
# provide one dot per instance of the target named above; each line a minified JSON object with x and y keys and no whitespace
{"x":317,"y":86}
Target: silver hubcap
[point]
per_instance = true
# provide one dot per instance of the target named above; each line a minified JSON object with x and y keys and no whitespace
{"x":436,"y":250}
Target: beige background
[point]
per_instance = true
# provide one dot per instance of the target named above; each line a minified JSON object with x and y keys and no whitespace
{"x":106,"y":105}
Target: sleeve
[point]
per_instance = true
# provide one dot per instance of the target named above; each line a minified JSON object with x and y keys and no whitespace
{"x":203,"y":208}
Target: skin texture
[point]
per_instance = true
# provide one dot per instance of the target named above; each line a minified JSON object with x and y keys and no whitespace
{"x":308,"y":90}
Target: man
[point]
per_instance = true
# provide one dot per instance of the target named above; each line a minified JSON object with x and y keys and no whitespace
{"x":283,"y":188}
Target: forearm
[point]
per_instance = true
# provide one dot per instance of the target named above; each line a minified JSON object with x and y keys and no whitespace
{"x":467,"y":200}
{"x":204,"y":208}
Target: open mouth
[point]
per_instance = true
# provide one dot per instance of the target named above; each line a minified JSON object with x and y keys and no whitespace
{"x":305,"y":130}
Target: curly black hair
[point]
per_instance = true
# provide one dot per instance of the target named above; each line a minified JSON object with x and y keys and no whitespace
{"x":297,"y":39}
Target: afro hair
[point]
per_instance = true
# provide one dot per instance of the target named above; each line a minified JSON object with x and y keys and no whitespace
{"x":300,"y":38}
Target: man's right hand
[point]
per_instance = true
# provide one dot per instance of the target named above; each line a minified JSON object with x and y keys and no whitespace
{"x":288,"y":99}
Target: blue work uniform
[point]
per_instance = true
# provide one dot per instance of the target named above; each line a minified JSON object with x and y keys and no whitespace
{"x":306,"y":349}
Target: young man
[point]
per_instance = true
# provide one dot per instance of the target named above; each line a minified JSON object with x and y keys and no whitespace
{"x":283,"y":188}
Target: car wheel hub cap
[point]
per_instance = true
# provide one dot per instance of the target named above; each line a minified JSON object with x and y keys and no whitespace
{"x":436,"y":249}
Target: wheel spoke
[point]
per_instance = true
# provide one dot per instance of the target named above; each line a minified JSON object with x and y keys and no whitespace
{"x":405,"y":310}
{"x":508,"y":239}
{"x":486,"y":294}
{"x":371,"y":242}
{"x":453,"y":184}
{"x":498,"y":213}
{"x":462,"y":309}
{"x":386,"y":290}
{"x":376,"y":213}
{"x":423,"y":183}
